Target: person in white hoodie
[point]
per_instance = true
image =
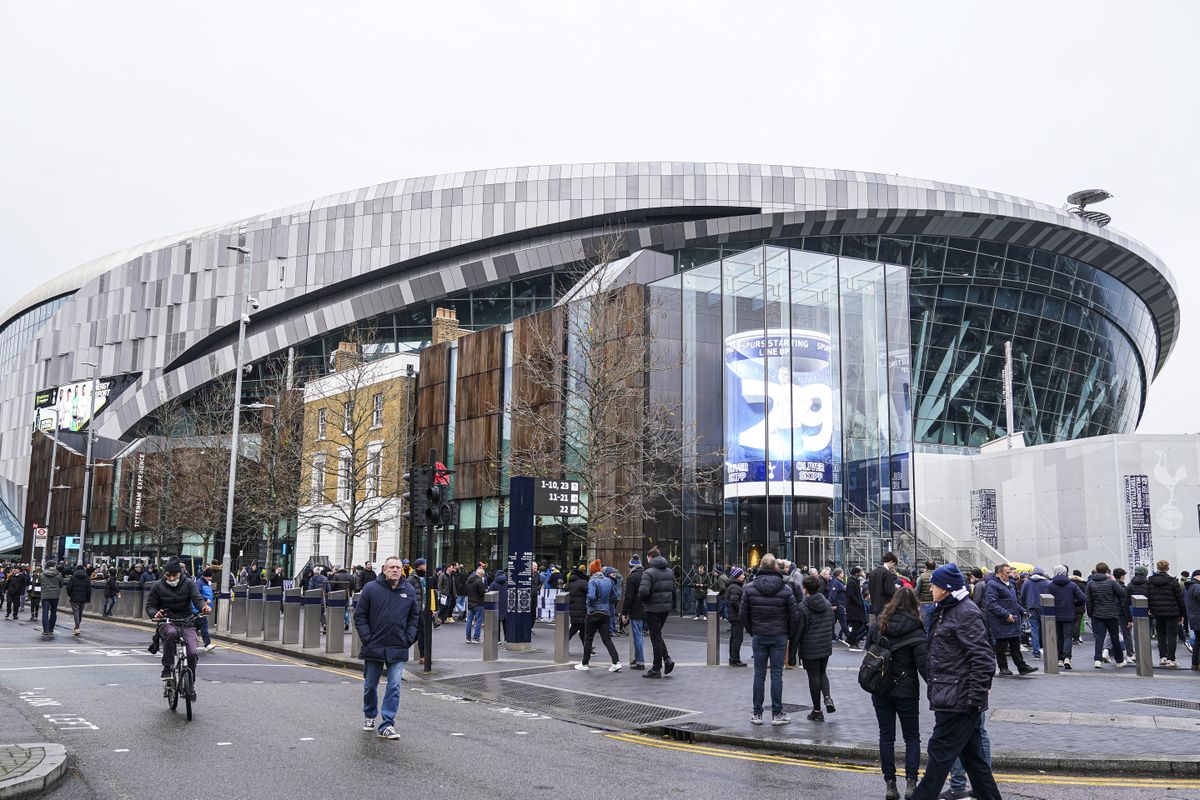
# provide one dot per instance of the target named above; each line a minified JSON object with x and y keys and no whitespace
{"x":1032,"y":590}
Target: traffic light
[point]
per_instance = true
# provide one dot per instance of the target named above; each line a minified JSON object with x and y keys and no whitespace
{"x":438,"y":506}
{"x":416,"y":499}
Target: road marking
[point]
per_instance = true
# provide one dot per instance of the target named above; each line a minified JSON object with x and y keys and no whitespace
{"x":453,"y":734}
{"x":306,"y":738}
{"x":522,"y":733}
{"x":224,"y":744}
{"x":70,"y":723}
{"x":112,"y":684}
{"x":766,"y":758}
{"x":36,"y":699}
{"x":121,"y":750}
{"x":256,"y":681}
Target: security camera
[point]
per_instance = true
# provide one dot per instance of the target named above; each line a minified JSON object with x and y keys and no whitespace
{"x":245,"y":319}
{"x":253,"y":301}
{"x":247,"y":369}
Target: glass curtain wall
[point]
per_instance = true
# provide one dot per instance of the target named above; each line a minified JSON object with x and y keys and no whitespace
{"x":795,"y":373}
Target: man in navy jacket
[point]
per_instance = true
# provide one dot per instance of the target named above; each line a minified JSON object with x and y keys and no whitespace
{"x":386,"y":620}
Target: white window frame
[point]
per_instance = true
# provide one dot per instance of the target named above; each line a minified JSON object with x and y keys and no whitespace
{"x":374,"y":468}
{"x":317,"y":492}
{"x":348,"y":417}
{"x":343,"y":475}
{"x":322,"y":421}
{"x":377,"y":411}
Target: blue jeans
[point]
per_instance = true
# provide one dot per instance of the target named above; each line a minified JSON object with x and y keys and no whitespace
{"x":1035,"y":633}
{"x":109,"y":604}
{"x":635,"y":625}
{"x":887,"y":708}
{"x":1101,"y":627}
{"x":372,"y":670}
{"x":958,"y":773}
{"x":49,"y":615}
{"x":475,"y":623}
{"x":771,"y":649}
{"x":927,"y":614}
{"x":202,"y":629}
{"x":460,"y":605}
{"x":841,"y":630}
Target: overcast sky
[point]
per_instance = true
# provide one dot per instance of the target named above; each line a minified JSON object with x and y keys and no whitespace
{"x":122,"y":122}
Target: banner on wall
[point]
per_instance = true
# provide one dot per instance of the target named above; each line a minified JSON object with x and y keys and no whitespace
{"x":984,"y":522}
{"x":71,"y":405}
{"x":1139,"y":543}
{"x":779,"y":415}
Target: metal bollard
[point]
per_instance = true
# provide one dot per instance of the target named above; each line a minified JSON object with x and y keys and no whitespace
{"x":335,"y":635}
{"x":292,"y":600}
{"x":714,"y":630}
{"x":272,"y":605}
{"x":1050,"y":654}
{"x":254,"y":612}
{"x":1141,"y":634}
{"x":312,"y":605}
{"x":491,"y":627}
{"x":237,"y":610}
{"x":223,"y":610}
{"x":355,"y":642}
{"x":562,"y":626}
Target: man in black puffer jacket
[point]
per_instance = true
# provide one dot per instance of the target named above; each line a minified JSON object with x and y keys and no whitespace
{"x":577,"y":588}
{"x":770,"y":616}
{"x":656,"y":591}
{"x":733,"y":603}
{"x":961,"y":665}
{"x":1164,"y":595}
{"x":633,"y":610}
{"x":1105,"y":597}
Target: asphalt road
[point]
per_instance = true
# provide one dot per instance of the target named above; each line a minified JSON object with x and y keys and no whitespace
{"x":269,"y":727}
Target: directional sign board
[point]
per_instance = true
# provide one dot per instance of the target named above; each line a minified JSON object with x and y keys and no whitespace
{"x":555,"y":498}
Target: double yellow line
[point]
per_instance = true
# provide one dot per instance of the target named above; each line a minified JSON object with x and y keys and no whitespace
{"x":835,"y":766}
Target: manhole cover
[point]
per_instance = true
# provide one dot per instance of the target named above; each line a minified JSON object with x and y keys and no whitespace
{"x":792,"y":708}
{"x":1166,"y":702}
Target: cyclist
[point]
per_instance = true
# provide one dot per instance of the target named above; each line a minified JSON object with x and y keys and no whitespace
{"x":173,"y":596}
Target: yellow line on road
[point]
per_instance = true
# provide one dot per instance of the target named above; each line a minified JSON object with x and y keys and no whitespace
{"x":835,"y":766}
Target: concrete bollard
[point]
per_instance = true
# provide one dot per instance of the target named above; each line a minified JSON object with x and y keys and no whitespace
{"x":137,"y":601}
{"x":355,"y":642}
{"x":1141,"y":635}
{"x":713,"y":658}
{"x":311,"y":606}
{"x":335,"y":634}
{"x":272,"y":605}
{"x":254,"y":612}
{"x":1050,"y":654}
{"x":237,"y":610}
{"x":292,"y":601}
{"x":562,"y":626}
{"x":491,"y":626}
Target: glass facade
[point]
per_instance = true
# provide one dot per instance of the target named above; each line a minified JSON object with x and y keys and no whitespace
{"x":21,"y":330}
{"x":795,"y":383}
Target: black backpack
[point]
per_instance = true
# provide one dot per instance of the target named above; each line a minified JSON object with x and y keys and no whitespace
{"x":875,"y":673}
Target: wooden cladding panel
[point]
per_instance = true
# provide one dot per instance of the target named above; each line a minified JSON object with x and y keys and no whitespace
{"x":480,"y":394}
{"x":481,"y":352}
{"x":432,"y":404}
{"x":434,"y":365}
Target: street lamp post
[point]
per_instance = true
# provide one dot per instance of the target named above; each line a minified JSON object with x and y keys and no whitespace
{"x":89,"y":467}
{"x":237,"y":416}
{"x":49,"y":489}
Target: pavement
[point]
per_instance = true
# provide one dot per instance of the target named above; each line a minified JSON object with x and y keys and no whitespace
{"x":27,"y":769}
{"x":1099,"y":721}
{"x":270,"y":726}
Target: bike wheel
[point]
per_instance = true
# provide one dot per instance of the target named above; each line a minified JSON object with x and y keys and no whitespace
{"x":186,"y":688}
{"x":173,"y":690}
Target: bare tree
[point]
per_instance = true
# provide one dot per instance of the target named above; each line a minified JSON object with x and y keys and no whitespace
{"x":583,"y":408}
{"x":367,"y":416}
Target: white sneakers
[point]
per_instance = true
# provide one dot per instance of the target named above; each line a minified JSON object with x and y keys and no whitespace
{"x":582,"y":667}
{"x":615,"y":667}
{"x":209,"y":648}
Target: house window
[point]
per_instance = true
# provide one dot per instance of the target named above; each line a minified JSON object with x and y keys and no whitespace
{"x":348,"y":419}
{"x":317,"y":496}
{"x":374,"y":468}
{"x":322,"y":420}
{"x":344,"y":478}
{"x":374,"y":543}
{"x":316,"y":541}
{"x":377,"y":415}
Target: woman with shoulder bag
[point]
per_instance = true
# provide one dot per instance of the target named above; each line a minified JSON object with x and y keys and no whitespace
{"x":900,"y":630}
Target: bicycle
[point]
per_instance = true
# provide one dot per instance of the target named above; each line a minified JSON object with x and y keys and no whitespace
{"x":183,"y":680}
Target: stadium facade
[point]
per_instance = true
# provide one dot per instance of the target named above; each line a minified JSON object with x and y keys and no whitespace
{"x":840,"y":321}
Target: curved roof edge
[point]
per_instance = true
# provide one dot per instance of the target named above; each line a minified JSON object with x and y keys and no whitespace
{"x":72,"y":280}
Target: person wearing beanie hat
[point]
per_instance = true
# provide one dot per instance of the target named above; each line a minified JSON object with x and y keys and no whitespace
{"x":733,"y":603}
{"x":961,"y":665}
{"x":601,"y":598}
{"x":633,"y":612}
